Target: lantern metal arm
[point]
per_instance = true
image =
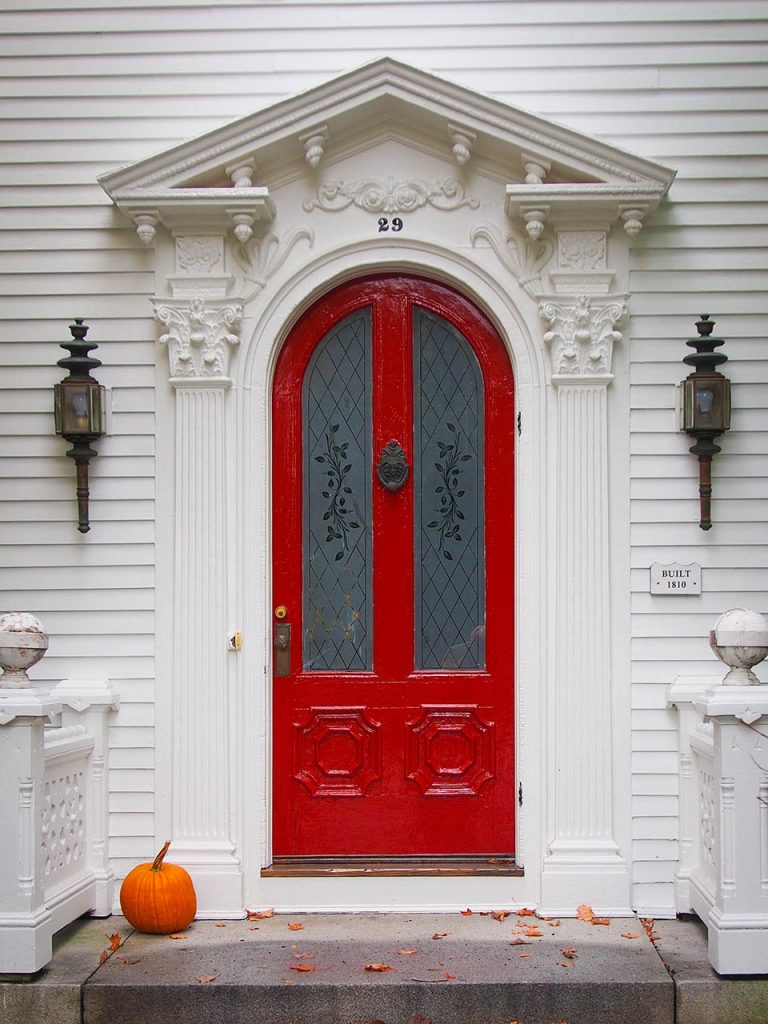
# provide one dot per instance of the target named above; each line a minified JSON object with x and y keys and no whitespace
{"x":706,"y":408}
{"x":79,"y":411}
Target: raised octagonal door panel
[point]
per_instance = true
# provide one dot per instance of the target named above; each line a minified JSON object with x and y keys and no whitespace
{"x":393,"y":432}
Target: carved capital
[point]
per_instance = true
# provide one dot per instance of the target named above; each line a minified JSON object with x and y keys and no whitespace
{"x":199,"y":334}
{"x":581,"y":336}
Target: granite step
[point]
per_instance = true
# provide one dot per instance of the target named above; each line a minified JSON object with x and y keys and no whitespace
{"x":477,"y":970}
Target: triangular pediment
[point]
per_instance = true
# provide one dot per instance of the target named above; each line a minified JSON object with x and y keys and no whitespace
{"x":233,"y":169}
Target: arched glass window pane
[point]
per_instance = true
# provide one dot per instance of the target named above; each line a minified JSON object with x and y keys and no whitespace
{"x":448,"y":498}
{"x":337,"y":499}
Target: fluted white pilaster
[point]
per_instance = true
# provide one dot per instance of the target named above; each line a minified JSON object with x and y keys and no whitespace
{"x":201,"y":764}
{"x":583,"y":863}
{"x":200,"y":330}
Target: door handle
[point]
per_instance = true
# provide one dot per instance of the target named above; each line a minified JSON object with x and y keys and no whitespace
{"x":282,"y":649}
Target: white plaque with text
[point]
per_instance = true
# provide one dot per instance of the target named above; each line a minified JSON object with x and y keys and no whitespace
{"x":675,"y":578}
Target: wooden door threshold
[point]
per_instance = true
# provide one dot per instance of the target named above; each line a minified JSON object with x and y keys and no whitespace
{"x":294,"y":867}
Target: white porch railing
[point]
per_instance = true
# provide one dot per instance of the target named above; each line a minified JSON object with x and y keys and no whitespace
{"x":723,"y":871}
{"x":53,"y":805}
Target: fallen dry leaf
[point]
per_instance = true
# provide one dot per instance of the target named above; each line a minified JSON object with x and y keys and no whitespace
{"x":630,"y":935}
{"x":177,"y":935}
{"x":128,"y":960}
{"x":499,"y":915}
{"x":114,"y":942}
{"x":296,"y":927}
{"x":533,"y":932}
{"x":439,"y":935}
{"x":303,"y":968}
{"x":526,"y":912}
{"x":569,"y":952}
{"x":103,"y":957}
{"x":378,"y":968}
{"x":206,"y":979}
{"x":519,"y":942}
{"x":600,"y":920}
{"x":407,"y":952}
{"x":521,"y":955}
{"x":648,"y":923}
{"x":449,"y":977}
{"x":566,"y":963}
{"x":219,"y":924}
{"x":466,"y":913}
{"x":260,"y":915}
{"x":584,"y":913}
{"x":553,"y":924}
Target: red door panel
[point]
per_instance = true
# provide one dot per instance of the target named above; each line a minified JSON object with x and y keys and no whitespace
{"x":374,"y":756}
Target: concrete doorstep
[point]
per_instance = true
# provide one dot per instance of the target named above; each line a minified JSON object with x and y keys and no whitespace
{"x":422,"y":969}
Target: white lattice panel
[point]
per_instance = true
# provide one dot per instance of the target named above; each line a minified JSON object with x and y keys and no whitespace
{"x":64,"y":826}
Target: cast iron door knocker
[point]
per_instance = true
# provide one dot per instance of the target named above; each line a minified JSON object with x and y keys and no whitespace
{"x":393,"y":469}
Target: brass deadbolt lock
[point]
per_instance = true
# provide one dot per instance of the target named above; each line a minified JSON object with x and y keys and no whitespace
{"x":281,"y":611}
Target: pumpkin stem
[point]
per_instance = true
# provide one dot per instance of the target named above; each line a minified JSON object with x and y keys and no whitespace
{"x":157,"y":863}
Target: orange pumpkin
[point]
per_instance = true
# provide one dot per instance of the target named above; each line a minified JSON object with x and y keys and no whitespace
{"x":158,"y":898}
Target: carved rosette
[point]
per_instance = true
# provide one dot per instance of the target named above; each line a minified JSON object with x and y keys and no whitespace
{"x":199,"y":254}
{"x":581,"y":250}
{"x":581,"y":336}
{"x":199,"y":334}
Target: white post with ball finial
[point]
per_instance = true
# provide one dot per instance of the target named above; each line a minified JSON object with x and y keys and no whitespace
{"x":729,"y":886}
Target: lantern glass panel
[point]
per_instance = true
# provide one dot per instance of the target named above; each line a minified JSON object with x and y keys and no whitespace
{"x":78,"y":409}
{"x":707,"y":404}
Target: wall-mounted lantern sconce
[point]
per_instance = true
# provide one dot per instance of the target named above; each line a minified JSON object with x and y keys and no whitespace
{"x":79,"y":410}
{"x":706,"y":407}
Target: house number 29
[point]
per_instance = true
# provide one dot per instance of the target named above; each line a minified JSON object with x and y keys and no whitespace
{"x":385,"y":224}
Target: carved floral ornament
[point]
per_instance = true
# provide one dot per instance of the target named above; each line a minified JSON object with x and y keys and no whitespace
{"x":199,"y":335}
{"x":581,"y":250}
{"x":581,"y":336}
{"x":391,"y":196}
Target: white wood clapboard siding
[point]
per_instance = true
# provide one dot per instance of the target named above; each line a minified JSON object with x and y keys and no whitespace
{"x":86,"y":88}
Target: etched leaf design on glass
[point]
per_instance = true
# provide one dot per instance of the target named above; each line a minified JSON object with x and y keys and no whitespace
{"x":336,"y":515}
{"x":449,"y":511}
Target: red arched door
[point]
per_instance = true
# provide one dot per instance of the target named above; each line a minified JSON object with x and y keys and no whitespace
{"x":393,"y":437}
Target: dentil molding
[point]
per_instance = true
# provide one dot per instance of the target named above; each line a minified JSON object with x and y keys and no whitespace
{"x":581,"y":336}
{"x":200,"y":334}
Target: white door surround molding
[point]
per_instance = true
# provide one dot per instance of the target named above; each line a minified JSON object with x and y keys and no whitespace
{"x":390,"y":169}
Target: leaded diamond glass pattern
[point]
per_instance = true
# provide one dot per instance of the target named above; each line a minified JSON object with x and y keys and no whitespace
{"x":448,"y":498}
{"x":337,"y":499}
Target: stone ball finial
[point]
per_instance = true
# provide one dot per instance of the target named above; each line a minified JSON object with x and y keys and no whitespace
{"x":740,"y":640}
{"x":23,"y":642}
